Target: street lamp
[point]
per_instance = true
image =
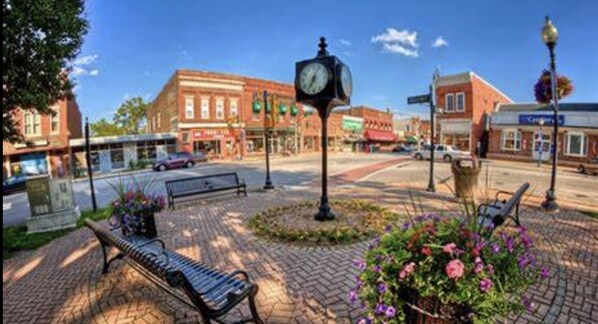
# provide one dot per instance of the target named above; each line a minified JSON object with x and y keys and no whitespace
{"x":94,"y":203}
{"x":268,"y":185}
{"x":431,"y":185}
{"x":541,"y":141}
{"x":550,"y":36}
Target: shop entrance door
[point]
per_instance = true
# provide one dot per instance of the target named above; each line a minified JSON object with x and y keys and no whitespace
{"x":542,"y":142}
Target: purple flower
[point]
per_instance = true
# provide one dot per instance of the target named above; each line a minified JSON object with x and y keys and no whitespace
{"x":459,"y":252}
{"x":495,"y":248}
{"x":377,"y":268}
{"x":544,"y":273}
{"x":359,"y":264}
{"x":391,"y":312}
{"x":479,"y":267}
{"x":382,"y":288}
{"x":388,"y":228}
{"x":510,"y":245}
{"x":485,"y":285}
{"x":365,"y":320}
{"x":405,"y":226}
{"x":352,"y":296}
{"x":381,"y":309}
{"x":522,"y":262}
{"x":490,"y":269}
{"x":528,"y":303}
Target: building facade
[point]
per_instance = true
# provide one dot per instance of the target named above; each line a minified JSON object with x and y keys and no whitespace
{"x":224,"y":116}
{"x":378,"y":126}
{"x":467,"y":101}
{"x":412,"y":130}
{"x":524,"y":132}
{"x":47,"y":140}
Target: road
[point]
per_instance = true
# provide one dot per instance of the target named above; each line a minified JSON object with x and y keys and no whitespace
{"x":371,"y":170}
{"x":299,"y":170}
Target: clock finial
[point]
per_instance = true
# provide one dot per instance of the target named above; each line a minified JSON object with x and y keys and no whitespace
{"x":322,"y":46}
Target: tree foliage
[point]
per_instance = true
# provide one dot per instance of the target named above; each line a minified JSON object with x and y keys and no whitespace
{"x":130,"y":116}
{"x":40,"y":39}
{"x":104,"y":127}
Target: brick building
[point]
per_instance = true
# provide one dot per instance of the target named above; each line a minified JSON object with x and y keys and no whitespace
{"x":47,"y":137}
{"x":412,"y":130}
{"x":467,"y":101}
{"x":516,"y":133}
{"x":224,"y":115}
{"x":378,"y":126}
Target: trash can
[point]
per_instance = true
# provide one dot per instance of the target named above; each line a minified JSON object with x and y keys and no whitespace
{"x":466,"y":172}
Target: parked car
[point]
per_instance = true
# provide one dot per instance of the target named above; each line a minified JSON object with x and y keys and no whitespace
{"x":446,"y":153}
{"x":14,"y":184}
{"x":590,"y":167}
{"x":178,"y":160}
{"x":402,"y":149}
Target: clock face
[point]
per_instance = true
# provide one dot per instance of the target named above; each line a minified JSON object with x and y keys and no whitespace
{"x":313,"y":78}
{"x":346,"y":81}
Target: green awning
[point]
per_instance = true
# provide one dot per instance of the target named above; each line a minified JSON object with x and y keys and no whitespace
{"x":412,"y":139}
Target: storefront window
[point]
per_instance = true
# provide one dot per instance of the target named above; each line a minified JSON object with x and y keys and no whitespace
{"x":511,"y":140}
{"x":206,"y":147}
{"x":576,"y":144}
{"x":117,"y":156}
{"x":146,"y":151}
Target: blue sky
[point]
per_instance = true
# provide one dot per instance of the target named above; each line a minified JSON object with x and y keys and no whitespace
{"x":133,"y":47}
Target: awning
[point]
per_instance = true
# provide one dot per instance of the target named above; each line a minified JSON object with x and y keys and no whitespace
{"x":412,"y":139}
{"x":379,"y":136}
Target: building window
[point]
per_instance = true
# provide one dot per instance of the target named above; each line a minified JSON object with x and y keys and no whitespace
{"x":205,"y":108}
{"x":511,"y":140}
{"x":449,"y":99}
{"x":159,"y":121}
{"x":55,"y":121}
{"x":234,"y":107}
{"x":220,"y":109}
{"x":461,"y":101}
{"x":32,"y":124}
{"x":575,"y":144}
{"x":185,"y":137}
{"x":189,"y":107}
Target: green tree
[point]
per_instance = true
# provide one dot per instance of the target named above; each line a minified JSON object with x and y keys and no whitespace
{"x":103,"y":127}
{"x":40,"y":39}
{"x":130,"y":116}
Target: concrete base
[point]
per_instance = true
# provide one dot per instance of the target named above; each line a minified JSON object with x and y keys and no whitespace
{"x":53,"y":222}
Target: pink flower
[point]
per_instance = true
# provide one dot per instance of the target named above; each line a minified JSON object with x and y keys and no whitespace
{"x":407,"y":270}
{"x":485,"y":285}
{"x":449,"y":248}
{"x":455,"y":269}
{"x":427,"y":251}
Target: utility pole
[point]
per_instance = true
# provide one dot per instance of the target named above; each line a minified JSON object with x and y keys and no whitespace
{"x":89,"y":168}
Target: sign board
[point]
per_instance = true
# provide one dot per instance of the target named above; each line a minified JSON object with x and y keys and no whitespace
{"x":534,"y":119}
{"x":418,"y":99}
{"x":61,"y":193}
{"x":352,"y":124}
{"x":38,"y":193}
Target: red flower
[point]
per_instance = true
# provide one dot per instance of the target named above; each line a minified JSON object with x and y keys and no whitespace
{"x":427,"y":251}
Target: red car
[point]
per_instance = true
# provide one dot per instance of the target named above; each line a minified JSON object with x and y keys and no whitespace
{"x":178,"y":160}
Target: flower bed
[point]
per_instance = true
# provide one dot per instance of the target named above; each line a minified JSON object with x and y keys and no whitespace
{"x":443,"y":269}
{"x":356,"y":220}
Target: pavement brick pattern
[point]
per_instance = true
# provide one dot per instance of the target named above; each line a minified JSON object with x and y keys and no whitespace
{"x":61,"y":282}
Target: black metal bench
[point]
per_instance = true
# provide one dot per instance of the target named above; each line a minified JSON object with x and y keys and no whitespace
{"x":206,"y":290}
{"x":204,"y":185}
{"x":497,"y":212}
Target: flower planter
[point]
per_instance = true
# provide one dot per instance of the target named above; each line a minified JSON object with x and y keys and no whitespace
{"x":144,"y":225}
{"x":430,"y":310}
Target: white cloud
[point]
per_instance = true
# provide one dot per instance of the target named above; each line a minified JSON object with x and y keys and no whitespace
{"x":403,"y":42}
{"x":78,"y":71}
{"x":440,"y":42}
{"x":94,"y":72}
{"x":86,"y":60}
{"x":345,"y":42}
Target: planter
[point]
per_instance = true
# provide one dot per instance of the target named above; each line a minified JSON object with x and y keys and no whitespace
{"x":140,"y":225}
{"x":430,"y":310}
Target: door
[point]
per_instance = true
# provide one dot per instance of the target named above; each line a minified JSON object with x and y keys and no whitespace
{"x":542,"y":142}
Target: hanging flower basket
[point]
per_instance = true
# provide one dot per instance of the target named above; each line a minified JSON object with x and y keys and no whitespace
{"x":256,"y":106}
{"x":543,"y":88}
{"x":294,"y":110}
{"x":282,"y":109}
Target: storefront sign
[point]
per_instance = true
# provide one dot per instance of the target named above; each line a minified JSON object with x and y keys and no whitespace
{"x":211,"y":134}
{"x":535,"y":119}
{"x":352,"y":124}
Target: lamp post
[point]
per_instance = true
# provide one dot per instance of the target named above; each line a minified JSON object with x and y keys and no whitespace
{"x":268,"y":185}
{"x":541,"y":141}
{"x":94,"y":204}
{"x":550,"y":36}
{"x":431,"y":185}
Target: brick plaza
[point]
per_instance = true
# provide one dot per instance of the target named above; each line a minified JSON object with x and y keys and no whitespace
{"x":61,"y":282}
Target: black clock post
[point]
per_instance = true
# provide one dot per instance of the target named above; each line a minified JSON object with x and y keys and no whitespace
{"x":324,"y":83}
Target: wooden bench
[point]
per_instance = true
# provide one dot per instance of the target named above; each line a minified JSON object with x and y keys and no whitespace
{"x":210,"y":292}
{"x":497,"y":212}
{"x":203,"y":185}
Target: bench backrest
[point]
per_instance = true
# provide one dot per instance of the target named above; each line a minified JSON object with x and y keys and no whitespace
{"x":202,"y":183}
{"x":155,"y":265}
{"x":507,"y":208}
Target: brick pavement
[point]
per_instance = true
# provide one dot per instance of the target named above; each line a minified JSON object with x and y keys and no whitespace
{"x":61,"y":282}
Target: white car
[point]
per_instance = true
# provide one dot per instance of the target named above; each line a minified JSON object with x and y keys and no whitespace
{"x":443,"y":152}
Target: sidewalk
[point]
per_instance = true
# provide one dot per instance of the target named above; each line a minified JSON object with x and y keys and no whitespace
{"x":61,"y":282}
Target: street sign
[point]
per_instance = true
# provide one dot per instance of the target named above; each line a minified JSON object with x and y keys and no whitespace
{"x":418,"y":99}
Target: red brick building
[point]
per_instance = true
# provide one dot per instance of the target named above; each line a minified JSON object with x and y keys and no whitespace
{"x":378,"y":126}
{"x":467,"y":101}
{"x":517,"y":133}
{"x":47,"y":137}
{"x":224,"y":115}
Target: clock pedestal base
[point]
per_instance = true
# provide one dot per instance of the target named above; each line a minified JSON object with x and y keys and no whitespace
{"x":324,"y":212}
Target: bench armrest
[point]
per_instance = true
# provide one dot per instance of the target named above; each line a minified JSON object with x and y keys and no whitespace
{"x":229,"y":277}
{"x":501,"y":192}
{"x":153,"y":241}
{"x":242,"y":181}
{"x":486,"y":207}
